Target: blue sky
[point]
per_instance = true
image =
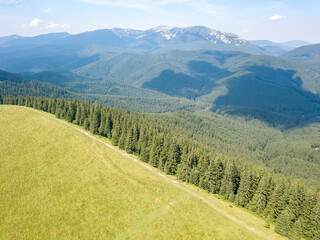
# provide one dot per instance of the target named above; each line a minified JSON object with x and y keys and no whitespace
{"x":252,"y":19}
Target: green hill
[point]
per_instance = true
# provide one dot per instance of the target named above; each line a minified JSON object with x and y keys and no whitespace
{"x":111,"y":94}
{"x":11,"y":84}
{"x":58,"y":182}
{"x":305,"y":53}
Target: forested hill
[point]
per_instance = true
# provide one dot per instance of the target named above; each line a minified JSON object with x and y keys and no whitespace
{"x":11,"y":84}
{"x":292,"y":205}
{"x":305,"y":53}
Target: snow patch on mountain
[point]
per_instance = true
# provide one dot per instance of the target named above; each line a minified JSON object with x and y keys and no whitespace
{"x":168,"y":33}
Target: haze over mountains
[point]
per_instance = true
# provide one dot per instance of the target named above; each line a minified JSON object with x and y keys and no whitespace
{"x":155,"y":39}
{"x":205,"y":68}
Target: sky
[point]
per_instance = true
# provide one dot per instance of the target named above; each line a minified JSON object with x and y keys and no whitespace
{"x":277,"y":21}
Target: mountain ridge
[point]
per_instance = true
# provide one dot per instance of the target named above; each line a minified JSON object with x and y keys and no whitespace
{"x":155,"y":39}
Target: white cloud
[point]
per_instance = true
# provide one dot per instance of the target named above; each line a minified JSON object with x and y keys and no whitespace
{"x":35,"y":22}
{"x":53,"y":25}
{"x":57,"y":25}
{"x":275,"y":17}
{"x":245,"y":30}
{"x":47,"y":10}
{"x":65,"y":25}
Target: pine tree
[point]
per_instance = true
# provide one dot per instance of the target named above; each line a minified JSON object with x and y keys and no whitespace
{"x":116,"y":134}
{"x":144,"y":154}
{"x":203,"y":164}
{"x":71,"y":112}
{"x":164,"y":154}
{"x":315,"y":222}
{"x":130,"y":143}
{"x":195,"y":176}
{"x":155,"y":152}
{"x":108,"y":127}
{"x":283,"y":224}
{"x":231,"y":180}
{"x":102,"y":123}
{"x":216,"y":175}
{"x":173,"y":160}
{"x":296,"y":200}
{"x":297,"y":230}
{"x":246,"y":190}
{"x":122,"y":139}
{"x":95,"y":120}
{"x":86,"y":124}
{"x":186,"y":166}
{"x":262,"y":195}
{"x":78,"y":114}
{"x":309,"y":205}
{"x":278,"y":200}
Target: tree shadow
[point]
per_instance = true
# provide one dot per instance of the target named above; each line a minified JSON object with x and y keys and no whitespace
{"x":200,"y":80}
{"x":272,"y":95}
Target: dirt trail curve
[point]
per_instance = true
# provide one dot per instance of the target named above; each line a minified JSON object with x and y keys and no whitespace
{"x":176,"y":183}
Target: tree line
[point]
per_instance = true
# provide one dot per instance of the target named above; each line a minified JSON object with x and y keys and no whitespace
{"x":290,"y":204}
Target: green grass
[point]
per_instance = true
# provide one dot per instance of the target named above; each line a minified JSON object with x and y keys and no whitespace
{"x":57,"y":183}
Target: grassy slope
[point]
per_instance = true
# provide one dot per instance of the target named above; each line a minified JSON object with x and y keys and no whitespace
{"x":56,"y":183}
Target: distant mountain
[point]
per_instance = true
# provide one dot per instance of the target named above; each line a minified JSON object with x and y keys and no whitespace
{"x":296,"y":43}
{"x":45,"y":39}
{"x":152,"y":40}
{"x":188,"y":38}
{"x":10,"y":38}
{"x":271,"y":48}
{"x":306,"y":53}
{"x":277,"y":49}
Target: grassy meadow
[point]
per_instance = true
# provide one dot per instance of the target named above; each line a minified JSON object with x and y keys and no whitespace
{"x":57,"y":183}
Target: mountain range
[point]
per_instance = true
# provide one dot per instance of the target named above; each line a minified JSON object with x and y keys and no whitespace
{"x":152,"y":40}
{"x":204,"y":69}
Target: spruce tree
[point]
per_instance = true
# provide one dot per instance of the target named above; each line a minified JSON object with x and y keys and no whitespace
{"x":164,"y":154}
{"x":315,"y":222}
{"x":278,"y":200}
{"x":102,"y":124}
{"x":130,"y":143}
{"x":283,"y":224}
{"x":155,"y":150}
{"x":246,"y":190}
{"x":309,"y":205}
{"x":231,"y":180}
{"x":216,"y":175}
{"x":108,"y":126}
{"x":296,"y":200}
{"x":116,"y":134}
{"x":173,"y":159}
{"x":95,"y":120}
{"x":297,"y":230}
{"x":262,"y":195}
{"x":144,"y":153}
{"x":86,"y":124}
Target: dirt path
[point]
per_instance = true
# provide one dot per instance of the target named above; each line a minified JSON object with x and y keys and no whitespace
{"x":176,"y":183}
